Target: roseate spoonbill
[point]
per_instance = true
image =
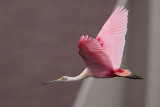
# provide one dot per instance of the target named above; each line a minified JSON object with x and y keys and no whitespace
{"x":103,"y":55}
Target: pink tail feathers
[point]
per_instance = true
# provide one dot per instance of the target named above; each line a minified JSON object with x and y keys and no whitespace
{"x":123,"y":73}
{"x":126,"y":74}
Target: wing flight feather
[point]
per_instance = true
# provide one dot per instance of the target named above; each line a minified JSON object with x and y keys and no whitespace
{"x":112,"y":35}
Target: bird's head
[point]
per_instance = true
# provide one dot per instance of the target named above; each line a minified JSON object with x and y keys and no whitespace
{"x":62,"y":79}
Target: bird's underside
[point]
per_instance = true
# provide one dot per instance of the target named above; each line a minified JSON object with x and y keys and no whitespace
{"x":103,"y":55}
{"x":97,"y":61}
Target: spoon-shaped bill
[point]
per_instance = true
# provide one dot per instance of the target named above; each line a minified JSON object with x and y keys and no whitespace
{"x":49,"y":82}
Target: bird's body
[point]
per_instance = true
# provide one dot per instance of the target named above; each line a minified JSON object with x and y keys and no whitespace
{"x":98,"y":63}
{"x":103,"y":55}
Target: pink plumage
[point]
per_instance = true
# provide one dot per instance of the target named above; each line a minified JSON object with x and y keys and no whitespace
{"x":95,"y":58}
{"x":112,"y":35}
{"x":103,"y":55}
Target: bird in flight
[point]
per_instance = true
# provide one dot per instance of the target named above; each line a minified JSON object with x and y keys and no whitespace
{"x":103,"y":55}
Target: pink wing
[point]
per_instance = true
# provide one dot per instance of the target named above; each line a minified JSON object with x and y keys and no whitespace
{"x":112,"y":35}
{"x":93,"y":54}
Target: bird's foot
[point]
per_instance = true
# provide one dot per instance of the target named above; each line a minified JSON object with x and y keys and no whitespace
{"x":134,"y":77}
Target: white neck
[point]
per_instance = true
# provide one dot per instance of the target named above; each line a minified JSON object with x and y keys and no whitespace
{"x":83,"y":75}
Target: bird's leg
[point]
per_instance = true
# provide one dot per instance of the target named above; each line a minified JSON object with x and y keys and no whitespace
{"x":134,"y":77}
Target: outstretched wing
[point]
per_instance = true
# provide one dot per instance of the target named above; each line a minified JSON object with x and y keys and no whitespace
{"x":112,"y":35}
{"x":93,"y":54}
